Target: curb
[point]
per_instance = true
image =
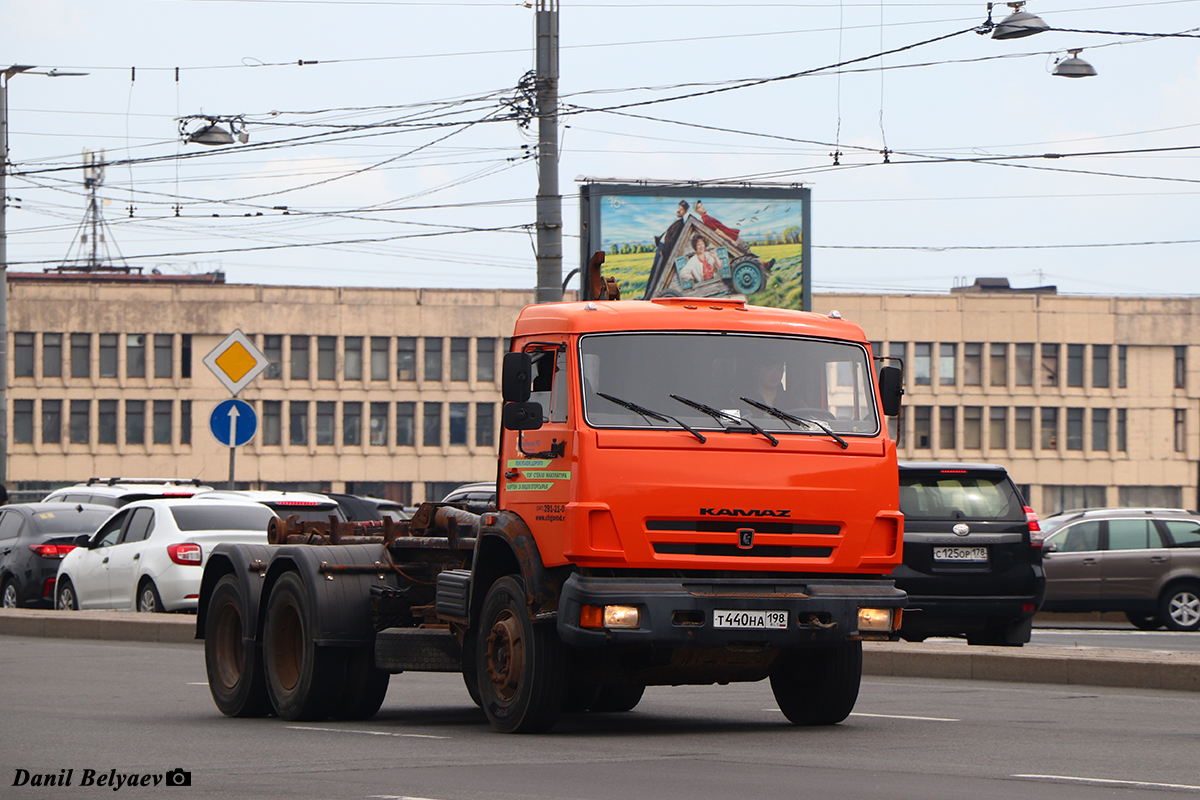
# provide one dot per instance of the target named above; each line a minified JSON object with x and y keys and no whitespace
{"x":119,"y":626}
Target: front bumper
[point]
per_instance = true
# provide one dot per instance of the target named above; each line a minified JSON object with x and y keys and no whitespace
{"x":678,"y":612}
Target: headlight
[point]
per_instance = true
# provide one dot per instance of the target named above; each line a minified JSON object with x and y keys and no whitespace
{"x":609,"y":617}
{"x":878,"y":619}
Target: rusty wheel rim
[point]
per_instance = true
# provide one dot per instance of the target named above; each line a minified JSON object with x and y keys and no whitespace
{"x":505,"y":656}
{"x":287,"y":646}
{"x":229,"y":649}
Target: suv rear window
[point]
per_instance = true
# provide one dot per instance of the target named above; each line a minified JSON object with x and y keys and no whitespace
{"x":939,"y":495}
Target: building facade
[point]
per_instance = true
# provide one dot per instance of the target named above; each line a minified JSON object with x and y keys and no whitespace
{"x":395,"y":392}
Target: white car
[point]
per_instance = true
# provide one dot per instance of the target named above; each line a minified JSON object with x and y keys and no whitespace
{"x":150,"y":555}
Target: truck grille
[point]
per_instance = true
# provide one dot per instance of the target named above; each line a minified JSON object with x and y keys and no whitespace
{"x":724,"y":550}
{"x":732,"y":526}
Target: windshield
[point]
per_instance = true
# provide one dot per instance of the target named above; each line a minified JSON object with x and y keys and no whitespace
{"x":826,"y":382}
{"x":221,"y":518}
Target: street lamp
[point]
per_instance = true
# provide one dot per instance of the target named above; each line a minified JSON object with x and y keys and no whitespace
{"x":1073,"y":66}
{"x":1018,"y":24}
{"x":209,"y":130}
{"x":5,"y":76}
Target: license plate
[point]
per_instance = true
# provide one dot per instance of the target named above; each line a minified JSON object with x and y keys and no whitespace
{"x":960,"y":554}
{"x":750,"y":619}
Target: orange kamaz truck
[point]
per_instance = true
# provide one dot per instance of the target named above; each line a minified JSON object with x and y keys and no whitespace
{"x":689,"y":492}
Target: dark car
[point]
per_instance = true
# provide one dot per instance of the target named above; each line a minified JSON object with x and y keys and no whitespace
{"x":359,"y":508}
{"x":34,"y":537}
{"x":474,"y":497}
{"x":972,"y":554}
{"x":1144,"y":562}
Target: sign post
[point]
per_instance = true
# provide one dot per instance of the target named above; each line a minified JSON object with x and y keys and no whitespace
{"x":236,"y":362}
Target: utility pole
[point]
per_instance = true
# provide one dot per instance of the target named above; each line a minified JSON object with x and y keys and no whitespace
{"x":549,"y":201}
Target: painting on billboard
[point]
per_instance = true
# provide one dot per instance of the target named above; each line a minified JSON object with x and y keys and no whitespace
{"x":698,"y":241}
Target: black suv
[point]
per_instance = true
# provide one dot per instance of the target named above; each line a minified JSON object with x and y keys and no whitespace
{"x":972,"y":554}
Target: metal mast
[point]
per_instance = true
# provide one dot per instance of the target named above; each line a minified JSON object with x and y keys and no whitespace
{"x":549,"y":201}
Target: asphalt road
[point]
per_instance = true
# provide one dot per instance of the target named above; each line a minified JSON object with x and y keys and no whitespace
{"x":145,"y":709}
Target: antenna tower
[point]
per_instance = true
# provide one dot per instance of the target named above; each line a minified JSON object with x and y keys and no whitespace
{"x":89,"y":250}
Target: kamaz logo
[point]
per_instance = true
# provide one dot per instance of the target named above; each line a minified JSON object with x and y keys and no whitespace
{"x":745,"y":512}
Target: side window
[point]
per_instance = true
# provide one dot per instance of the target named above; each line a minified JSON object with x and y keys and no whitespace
{"x":111,"y":530}
{"x":10,"y":525}
{"x":1080,"y":538}
{"x":1184,"y":533}
{"x":1129,"y":534}
{"x":139,"y":527}
{"x":550,"y":384}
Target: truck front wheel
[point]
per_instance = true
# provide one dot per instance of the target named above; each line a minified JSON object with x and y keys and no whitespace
{"x":300,"y":676}
{"x":818,"y":686}
{"x":522,"y":667}
{"x":235,"y":668}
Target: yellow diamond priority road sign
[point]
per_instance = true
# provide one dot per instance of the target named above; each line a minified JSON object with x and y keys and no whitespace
{"x":236,"y":362}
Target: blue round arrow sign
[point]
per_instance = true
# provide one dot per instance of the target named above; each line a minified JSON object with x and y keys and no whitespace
{"x":233,"y":422}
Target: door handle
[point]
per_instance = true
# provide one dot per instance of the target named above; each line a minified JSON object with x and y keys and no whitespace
{"x":105,"y":561}
{"x":136,"y":556}
{"x":1157,"y":559}
{"x":1091,"y":562}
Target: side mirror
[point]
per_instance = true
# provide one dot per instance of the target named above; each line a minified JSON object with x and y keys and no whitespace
{"x":891,"y":389}
{"x":82,"y":540}
{"x":522,"y":416}
{"x":1049,"y":548}
{"x":516,"y":379}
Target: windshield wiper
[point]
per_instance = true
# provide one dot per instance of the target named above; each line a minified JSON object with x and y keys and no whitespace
{"x":645,"y":412}
{"x":786,"y":417}
{"x":718,"y":415}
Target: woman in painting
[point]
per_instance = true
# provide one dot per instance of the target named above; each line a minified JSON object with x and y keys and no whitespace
{"x":703,"y":265}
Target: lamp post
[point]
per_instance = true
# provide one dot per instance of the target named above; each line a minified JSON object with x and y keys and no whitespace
{"x":5,"y":76}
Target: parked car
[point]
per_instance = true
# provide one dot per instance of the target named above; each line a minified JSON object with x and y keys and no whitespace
{"x":34,"y":538}
{"x":308,"y":506}
{"x":358,"y":508}
{"x":149,"y":555}
{"x":972,"y":554}
{"x":1144,"y":562}
{"x":475,"y":497}
{"x":116,"y":492}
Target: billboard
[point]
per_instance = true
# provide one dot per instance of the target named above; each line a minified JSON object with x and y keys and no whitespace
{"x":696,"y":240}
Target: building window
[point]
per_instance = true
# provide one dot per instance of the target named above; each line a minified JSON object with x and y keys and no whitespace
{"x":352,"y":424}
{"x":1023,"y":359}
{"x":135,"y":355}
{"x":947,"y":369}
{"x":433,"y":359}
{"x":1180,"y":430}
{"x":1121,"y":430}
{"x":185,"y":421}
{"x":81,"y":355}
{"x":1150,"y":496}
{"x":458,"y":423}
{"x":300,"y":358}
{"x":1122,"y":366}
{"x":972,"y":364}
{"x":459,"y":349}
{"x":406,"y":424}
{"x":406,"y":358}
{"x":135,"y":422}
{"x":162,"y":421}
{"x":354,"y":358}
{"x":185,"y":356}
{"x":379,"y":424}
{"x":998,"y":364}
{"x":273,"y":350}
{"x":379,"y":358}
{"x":52,"y":352}
{"x":1180,"y":367}
{"x":1074,"y":428}
{"x":1100,"y":358}
{"x":1023,"y":428}
{"x":80,"y":426}
{"x":432,"y":425}
{"x":326,"y":358}
{"x":106,"y":421}
{"x":972,"y":427}
{"x":325,"y":420}
{"x":1056,"y":499}
{"x":1049,"y":428}
{"x":922,"y":363}
{"x":272,"y":412}
{"x":1100,"y":429}
{"x":23,"y":422}
{"x":298,"y":422}
{"x":895,"y":350}
{"x":485,"y":360}
{"x":164,"y":355}
{"x":485,"y":424}
{"x":998,"y":428}
{"x":921,"y":425}
{"x":1074,"y":365}
{"x":1050,"y":364}
{"x":946,"y":415}
{"x":23,"y":355}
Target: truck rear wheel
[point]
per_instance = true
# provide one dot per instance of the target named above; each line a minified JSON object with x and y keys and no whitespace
{"x":300,"y":675}
{"x":235,"y":668}
{"x":522,"y":667}
{"x":818,"y":686}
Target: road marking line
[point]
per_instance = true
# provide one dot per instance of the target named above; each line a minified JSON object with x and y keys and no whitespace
{"x":198,"y":683}
{"x":1107,"y":782}
{"x":395,"y":797}
{"x":903,"y":716}
{"x":368,"y":733}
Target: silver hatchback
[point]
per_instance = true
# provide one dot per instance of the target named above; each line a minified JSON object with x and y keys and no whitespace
{"x":1144,"y":562}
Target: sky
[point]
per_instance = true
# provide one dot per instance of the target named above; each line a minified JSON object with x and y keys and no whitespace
{"x":385,"y":147}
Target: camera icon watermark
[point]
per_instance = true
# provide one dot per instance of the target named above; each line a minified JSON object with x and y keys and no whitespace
{"x":178,"y":777}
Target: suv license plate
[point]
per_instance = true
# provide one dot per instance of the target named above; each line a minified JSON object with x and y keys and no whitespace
{"x":750,"y":619}
{"x":960,"y":554}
